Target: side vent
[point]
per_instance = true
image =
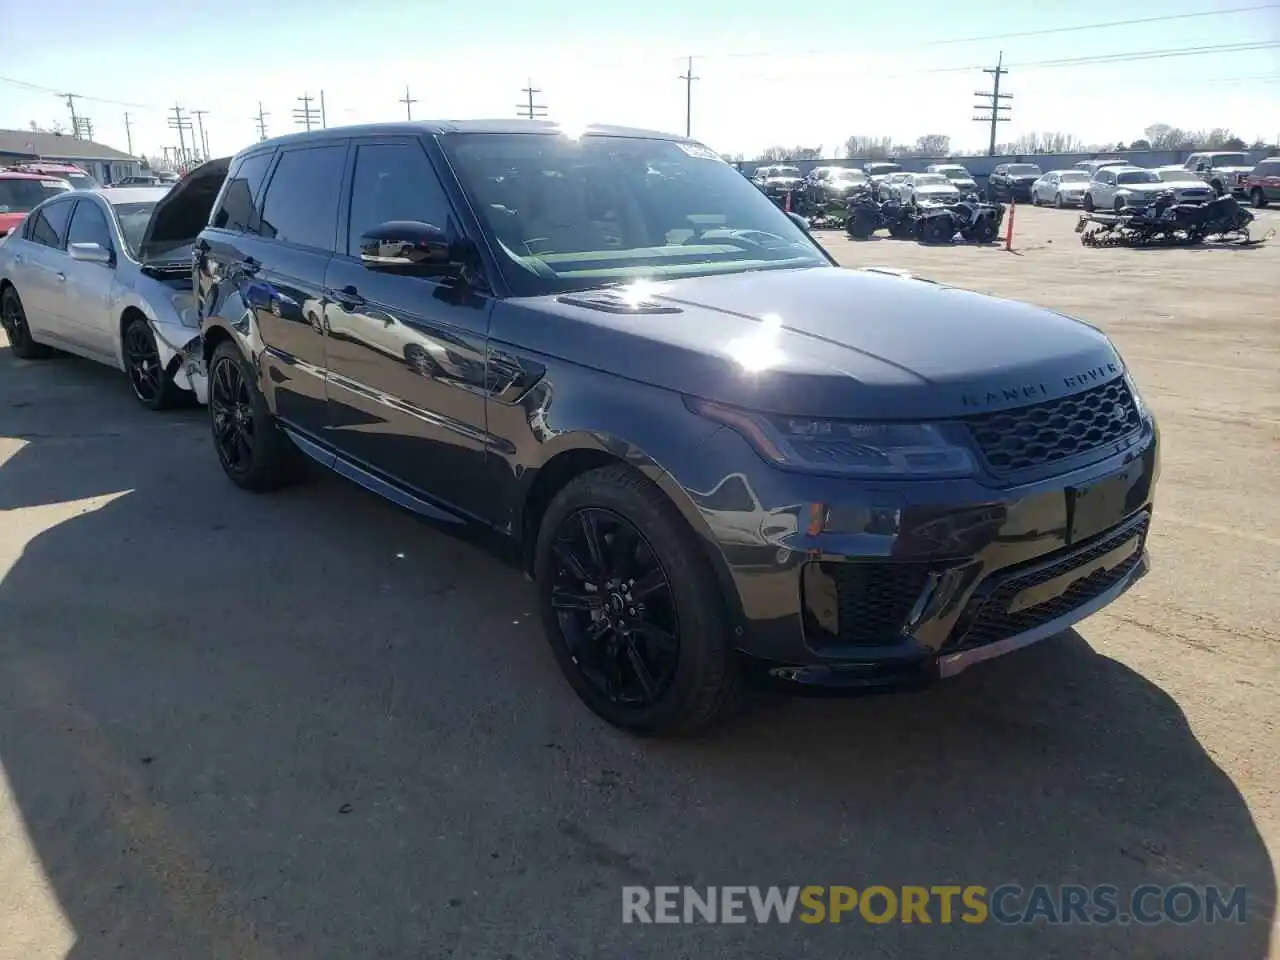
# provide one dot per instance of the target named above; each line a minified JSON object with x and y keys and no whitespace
{"x":618,"y":301}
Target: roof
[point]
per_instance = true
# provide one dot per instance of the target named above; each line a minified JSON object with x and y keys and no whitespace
{"x":17,"y":175}
{"x":55,"y":146}
{"x":118,"y":195}
{"x":419,"y":128}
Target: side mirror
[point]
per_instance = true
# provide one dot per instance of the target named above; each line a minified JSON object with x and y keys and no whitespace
{"x":410,"y":247}
{"x":799,"y":221}
{"x":90,"y":253}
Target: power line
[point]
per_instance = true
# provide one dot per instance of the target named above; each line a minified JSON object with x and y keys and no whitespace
{"x":408,"y":102}
{"x":181,"y":123}
{"x":997,"y":112}
{"x":528,"y":110}
{"x":688,"y":79}
{"x":1048,"y":31}
{"x":261,"y":120}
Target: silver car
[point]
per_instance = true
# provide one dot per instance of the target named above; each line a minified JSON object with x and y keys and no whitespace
{"x":1114,"y":188}
{"x":927,"y":188}
{"x":1186,"y":187}
{"x":107,"y":275}
{"x":956,"y":173}
{"x":1062,"y":188}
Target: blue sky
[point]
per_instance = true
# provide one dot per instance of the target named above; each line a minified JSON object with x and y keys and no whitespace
{"x":771,"y":72}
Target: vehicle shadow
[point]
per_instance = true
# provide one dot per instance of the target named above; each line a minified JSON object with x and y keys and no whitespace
{"x":304,"y":725}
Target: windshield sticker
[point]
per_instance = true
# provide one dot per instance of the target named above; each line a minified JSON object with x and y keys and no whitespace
{"x":55,"y":184}
{"x":701,"y":152}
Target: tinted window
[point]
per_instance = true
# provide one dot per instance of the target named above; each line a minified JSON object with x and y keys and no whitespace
{"x":301,"y":205}
{"x":134,"y":218}
{"x":393,"y":181}
{"x":88,"y":225}
{"x":51,"y":224}
{"x":238,"y":210}
{"x":18,"y":194}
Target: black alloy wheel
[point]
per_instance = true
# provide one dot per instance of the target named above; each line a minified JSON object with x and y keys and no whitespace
{"x":255,"y":454}
{"x":14,"y":320}
{"x":615,"y":606}
{"x":231,"y":410}
{"x":632,"y":608}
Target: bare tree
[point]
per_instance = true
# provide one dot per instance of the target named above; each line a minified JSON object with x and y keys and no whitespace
{"x":776,"y":153}
{"x":868,"y":148}
{"x":57,"y":127}
{"x":1140,"y":145}
{"x":932,"y":145}
{"x":1164,"y":137}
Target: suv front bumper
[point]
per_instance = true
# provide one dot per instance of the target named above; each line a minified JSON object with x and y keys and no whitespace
{"x":840,"y":584}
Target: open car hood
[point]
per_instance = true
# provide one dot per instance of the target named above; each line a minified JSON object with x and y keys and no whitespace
{"x":178,"y":218}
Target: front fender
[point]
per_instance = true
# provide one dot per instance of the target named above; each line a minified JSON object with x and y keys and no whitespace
{"x":179,"y":345}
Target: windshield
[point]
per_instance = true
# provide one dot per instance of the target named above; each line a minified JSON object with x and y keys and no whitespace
{"x":931,"y":180}
{"x":1022,"y":169}
{"x":20,"y":195}
{"x":133,"y":218}
{"x":845,"y":174}
{"x":1137,"y":176}
{"x":1230,"y":160}
{"x":1074,"y":176}
{"x":876,"y":169}
{"x":81,"y":181}
{"x":785,"y":172}
{"x":956,"y":173}
{"x":575,"y":214}
{"x":1178,"y":174}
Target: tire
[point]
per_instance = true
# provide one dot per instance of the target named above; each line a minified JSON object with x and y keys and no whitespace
{"x":1088,"y":202}
{"x":697,"y":683}
{"x":1058,"y":201}
{"x":14,"y":319}
{"x":1119,"y":204}
{"x":152,"y":386}
{"x":1258,"y":197}
{"x":237,"y":408}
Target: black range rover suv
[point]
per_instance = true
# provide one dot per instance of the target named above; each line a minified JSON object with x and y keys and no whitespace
{"x":716,"y":450}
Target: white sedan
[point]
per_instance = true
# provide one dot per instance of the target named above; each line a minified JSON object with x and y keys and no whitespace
{"x":1185,"y":186}
{"x":107,"y":275}
{"x":1062,"y":188}
{"x":928,"y":188}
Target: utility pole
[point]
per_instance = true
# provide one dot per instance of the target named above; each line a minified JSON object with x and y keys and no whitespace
{"x":997,"y":112}
{"x":83,"y":129}
{"x":204,"y":141}
{"x":408,"y":102}
{"x":306,"y":115}
{"x":688,"y":79}
{"x":180,"y":122}
{"x":71,"y":105}
{"x":323,"y":122}
{"x":262,"y":123}
{"x":528,"y":110}
{"x":128,"y":133}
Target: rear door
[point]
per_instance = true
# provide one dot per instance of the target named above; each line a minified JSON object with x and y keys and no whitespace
{"x":407,"y":364}
{"x":1268,"y":174}
{"x":41,"y":277}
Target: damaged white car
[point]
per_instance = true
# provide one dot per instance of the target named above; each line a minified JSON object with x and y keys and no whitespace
{"x":107,"y":275}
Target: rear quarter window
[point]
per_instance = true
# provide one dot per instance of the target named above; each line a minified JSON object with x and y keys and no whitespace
{"x":239,"y":207}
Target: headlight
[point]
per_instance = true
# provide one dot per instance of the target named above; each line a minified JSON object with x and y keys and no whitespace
{"x":186,"y":310}
{"x":848,"y":448}
{"x":1138,"y":402}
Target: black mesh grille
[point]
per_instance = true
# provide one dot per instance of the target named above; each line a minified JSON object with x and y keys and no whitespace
{"x":1044,"y":433}
{"x":860,"y":604}
{"x":991,"y":619}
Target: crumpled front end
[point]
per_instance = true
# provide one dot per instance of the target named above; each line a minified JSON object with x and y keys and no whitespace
{"x":182,"y":357}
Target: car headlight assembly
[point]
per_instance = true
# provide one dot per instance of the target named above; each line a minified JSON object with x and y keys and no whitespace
{"x":1143,"y":412}
{"x":186,"y":310}
{"x":847,"y":447}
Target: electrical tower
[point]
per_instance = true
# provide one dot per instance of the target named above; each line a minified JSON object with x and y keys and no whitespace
{"x":182,"y":123}
{"x":529,"y":110}
{"x":128,"y":132}
{"x":204,"y":141}
{"x":83,"y":129}
{"x":261,"y":120}
{"x":306,"y":115}
{"x":688,"y":79}
{"x":997,"y":110}
{"x":408,"y":102}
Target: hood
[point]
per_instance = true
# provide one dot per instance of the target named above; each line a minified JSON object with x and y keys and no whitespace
{"x":1160,"y":187}
{"x":826,"y":341}
{"x":937,"y":189}
{"x":184,"y":211}
{"x":1025,"y":177}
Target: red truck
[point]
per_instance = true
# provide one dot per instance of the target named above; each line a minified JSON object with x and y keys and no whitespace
{"x":1262,"y":184}
{"x":79,"y":179}
{"x":19,"y":192}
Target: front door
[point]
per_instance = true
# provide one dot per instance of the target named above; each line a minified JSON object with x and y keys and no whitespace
{"x":406,"y":354}
{"x":87,"y":301}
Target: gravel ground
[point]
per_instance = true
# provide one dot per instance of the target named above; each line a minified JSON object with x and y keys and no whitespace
{"x":306,"y":725}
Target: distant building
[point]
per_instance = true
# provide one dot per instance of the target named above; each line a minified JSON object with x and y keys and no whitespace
{"x":105,"y":164}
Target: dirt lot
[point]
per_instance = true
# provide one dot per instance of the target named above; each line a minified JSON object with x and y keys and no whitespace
{"x":307,"y":726}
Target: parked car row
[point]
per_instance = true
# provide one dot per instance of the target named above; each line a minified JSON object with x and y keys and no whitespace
{"x":612,"y":354}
